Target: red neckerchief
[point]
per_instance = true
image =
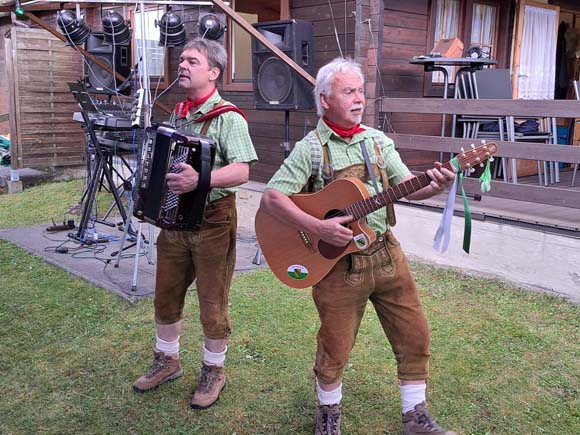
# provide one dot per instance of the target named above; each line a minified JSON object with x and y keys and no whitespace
{"x":188,"y":104}
{"x":343,"y":132}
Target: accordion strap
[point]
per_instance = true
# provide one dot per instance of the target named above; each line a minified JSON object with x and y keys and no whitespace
{"x":217,"y":110}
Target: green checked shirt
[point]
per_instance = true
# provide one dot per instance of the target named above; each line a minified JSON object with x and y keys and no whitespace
{"x":294,"y":173}
{"x":230,"y":131}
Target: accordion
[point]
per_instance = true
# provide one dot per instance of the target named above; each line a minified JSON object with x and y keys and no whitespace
{"x":164,"y":148}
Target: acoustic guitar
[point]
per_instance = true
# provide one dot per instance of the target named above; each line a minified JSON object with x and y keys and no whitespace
{"x":301,"y":260}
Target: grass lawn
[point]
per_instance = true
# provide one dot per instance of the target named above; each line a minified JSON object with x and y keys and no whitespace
{"x":504,"y":361}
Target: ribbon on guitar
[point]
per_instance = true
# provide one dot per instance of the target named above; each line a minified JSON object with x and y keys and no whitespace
{"x":443,"y":234}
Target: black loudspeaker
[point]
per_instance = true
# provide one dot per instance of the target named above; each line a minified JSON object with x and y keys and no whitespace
{"x":98,"y":80}
{"x":276,"y":85}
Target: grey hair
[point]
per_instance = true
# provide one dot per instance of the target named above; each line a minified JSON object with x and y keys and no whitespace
{"x":216,"y":54}
{"x":326,"y":75}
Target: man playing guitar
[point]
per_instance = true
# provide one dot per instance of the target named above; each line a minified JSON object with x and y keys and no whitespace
{"x":379,"y":272}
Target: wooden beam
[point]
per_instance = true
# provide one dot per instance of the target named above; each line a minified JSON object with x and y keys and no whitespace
{"x":48,"y":6}
{"x":539,"y":108}
{"x":528,"y":193}
{"x":516,"y":150}
{"x":85,"y":53}
{"x":252,"y":31}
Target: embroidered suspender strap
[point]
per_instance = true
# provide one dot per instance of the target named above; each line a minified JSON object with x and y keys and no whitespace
{"x":327,"y":168}
{"x":319,"y":154}
{"x":316,"y":157}
{"x":370,"y":169}
{"x":391,"y":218}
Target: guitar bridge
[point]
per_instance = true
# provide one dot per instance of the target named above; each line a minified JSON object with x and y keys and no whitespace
{"x":307,"y":240}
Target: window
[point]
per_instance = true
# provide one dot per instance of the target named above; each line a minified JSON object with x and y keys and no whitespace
{"x":483,"y":28}
{"x":477,"y":23}
{"x":146,"y":34}
{"x":238,"y":75}
{"x":446,"y":26}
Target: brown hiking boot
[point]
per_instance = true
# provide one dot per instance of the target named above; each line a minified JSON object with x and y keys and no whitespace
{"x":212,"y":380}
{"x":418,"y":422}
{"x":328,"y":420}
{"x":163,"y":368}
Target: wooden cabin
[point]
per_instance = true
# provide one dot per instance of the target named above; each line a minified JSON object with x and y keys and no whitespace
{"x":404,"y":99}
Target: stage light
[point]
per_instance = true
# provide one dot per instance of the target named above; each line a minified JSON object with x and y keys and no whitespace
{"x":211,"y":27}
{"x":115,"y":29}
{"x":171,"y":30}
{"x":75,"y":30}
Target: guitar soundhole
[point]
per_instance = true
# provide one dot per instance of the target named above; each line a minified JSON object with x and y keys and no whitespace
{"x":333,"y":213}
{"x":327,"y":250}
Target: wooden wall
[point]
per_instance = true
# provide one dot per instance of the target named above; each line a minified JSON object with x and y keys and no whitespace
{"x":4,"y":105}
{"x":44,"y":133}
{"x":267,"y":126}
{"x":406,"y":23}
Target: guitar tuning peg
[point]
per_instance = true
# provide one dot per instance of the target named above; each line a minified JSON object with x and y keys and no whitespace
{"x":472,"y":145}
{"x":462,"y":150}
{"x":483,"y":141}
{"x":481,"y":165}
{"x":491,"y":159}
{"x":471,"y":170}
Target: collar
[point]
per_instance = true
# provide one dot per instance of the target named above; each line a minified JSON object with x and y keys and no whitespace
{"x":325,"y":133}
{"x":212,"y":99}
{"x":343,"y":131}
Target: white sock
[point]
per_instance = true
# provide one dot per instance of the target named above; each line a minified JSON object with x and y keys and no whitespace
{"x":167,"y":347}
{"x":213,"y":358}
{"x":329,"y":397}
{"x":411,"y":395}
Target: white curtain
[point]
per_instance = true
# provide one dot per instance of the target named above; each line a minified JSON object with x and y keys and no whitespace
{"x":446,"y":26}
{"x":483,"y":28}
{"x":537,"y":71}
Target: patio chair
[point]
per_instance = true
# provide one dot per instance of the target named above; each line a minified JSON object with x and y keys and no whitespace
{"x":492,"y":83}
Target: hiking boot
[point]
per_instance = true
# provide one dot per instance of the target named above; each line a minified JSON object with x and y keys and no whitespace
{"x":418,"y":422}
{"x":163,"y":368}
{"x":328,"y":420}
{"x":212,"y":380}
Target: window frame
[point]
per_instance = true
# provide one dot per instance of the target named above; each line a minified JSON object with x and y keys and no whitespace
{"x":227,"y":83}
{"x":153,"y":79}
{"x":504,"y":25}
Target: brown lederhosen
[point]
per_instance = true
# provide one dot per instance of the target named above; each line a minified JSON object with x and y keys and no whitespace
{"x":379,"y":274}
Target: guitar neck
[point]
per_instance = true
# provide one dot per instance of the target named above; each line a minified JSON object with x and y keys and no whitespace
{"x":362,"y":208}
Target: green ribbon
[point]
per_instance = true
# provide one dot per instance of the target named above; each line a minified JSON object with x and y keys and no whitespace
{"x":485,"y":178}
{"x":466,"y":210}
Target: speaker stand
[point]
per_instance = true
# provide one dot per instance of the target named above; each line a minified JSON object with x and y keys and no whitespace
{"x":286,"y":147}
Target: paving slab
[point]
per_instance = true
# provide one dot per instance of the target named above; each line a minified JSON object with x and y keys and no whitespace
{"x":132,"y":276}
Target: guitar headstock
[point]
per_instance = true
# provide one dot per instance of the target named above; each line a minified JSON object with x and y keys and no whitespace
{"x":476,"y":155}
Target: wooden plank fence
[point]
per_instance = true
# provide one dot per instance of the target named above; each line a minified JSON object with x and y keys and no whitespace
{"x":559,"y":195}
{"x":43,"y":134}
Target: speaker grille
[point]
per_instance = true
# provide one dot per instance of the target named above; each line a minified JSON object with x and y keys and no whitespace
{"x":100,"y":78}
{"x":274,"y":80}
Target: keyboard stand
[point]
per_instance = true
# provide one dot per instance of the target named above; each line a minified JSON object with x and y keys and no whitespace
{"x":101,"y":171}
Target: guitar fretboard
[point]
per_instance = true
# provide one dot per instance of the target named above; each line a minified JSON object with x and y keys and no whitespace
{"x":364,"y":207}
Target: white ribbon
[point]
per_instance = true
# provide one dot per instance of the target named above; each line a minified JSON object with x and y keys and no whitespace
{"x":443,"y":235}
